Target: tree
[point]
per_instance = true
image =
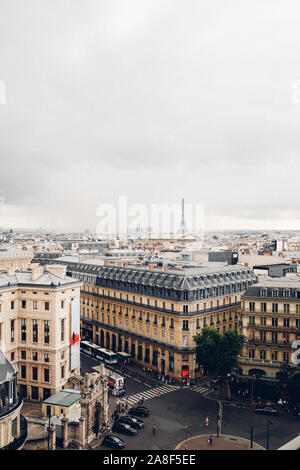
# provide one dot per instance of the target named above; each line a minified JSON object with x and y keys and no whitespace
{"x":287,"y":377}
{"x":218,"y":354}
{"x":207,"y":345}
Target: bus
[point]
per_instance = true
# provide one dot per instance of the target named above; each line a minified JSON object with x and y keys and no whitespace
{"x":107,"y":356}
{"x":93,"y":350}
{"x":124,"y":358}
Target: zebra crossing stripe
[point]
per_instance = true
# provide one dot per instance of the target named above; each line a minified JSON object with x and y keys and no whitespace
{"x":148,"y":394}
{"x":200,"y":389}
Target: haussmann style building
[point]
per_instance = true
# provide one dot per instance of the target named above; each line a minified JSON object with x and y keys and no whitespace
{"x":40,"y":327}
{"x":270,"y":315}
{"x":154,"y":312}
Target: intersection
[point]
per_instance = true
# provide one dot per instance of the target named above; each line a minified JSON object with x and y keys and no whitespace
{"x":181,"y":413}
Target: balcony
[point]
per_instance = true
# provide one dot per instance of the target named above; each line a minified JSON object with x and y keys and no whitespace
{"x":10,"y":408}
{"x":254,"y":360}
{"x":165,"y":310}
{"x":18,"y":442}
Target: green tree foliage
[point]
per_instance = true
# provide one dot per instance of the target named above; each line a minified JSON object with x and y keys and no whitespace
{"x":216,"y":353}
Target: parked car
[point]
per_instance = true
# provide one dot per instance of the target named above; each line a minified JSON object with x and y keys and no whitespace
{"x":268,"y":410}
{"x":113,"y":441}
{"x":139,"y":411}
{"x":124,"y":429}
{"x":216,"y":380}
{"x":133,"y":422}
{"x":296,"y":410}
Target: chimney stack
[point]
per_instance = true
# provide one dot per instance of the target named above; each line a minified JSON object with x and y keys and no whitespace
{"x":58,"y":270}
{"x":36,"y":271}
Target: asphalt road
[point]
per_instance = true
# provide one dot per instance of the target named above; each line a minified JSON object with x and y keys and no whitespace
{"x":181,"y":414}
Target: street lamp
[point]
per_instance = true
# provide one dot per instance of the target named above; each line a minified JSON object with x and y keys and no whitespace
{"x":251,"y":410}
{"x":219,"y":419}
{"x":50,"y":413}
{"x":268,"y":426}
{"x":185,"y":430}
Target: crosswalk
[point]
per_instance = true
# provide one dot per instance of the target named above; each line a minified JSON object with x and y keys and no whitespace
{"x":200,"y":389}
{"x":149,"y":394}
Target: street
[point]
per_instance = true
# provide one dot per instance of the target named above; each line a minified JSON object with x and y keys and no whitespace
{"x":181,"y":413}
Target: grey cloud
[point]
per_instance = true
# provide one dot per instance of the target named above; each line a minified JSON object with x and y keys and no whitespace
{"x":150,"y":99}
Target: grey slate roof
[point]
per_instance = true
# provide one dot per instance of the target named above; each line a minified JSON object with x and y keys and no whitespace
{"x":25,"y":278}
{"x":6,"y":369}
{"x":190,"y":277}
{"x":289,"y":284}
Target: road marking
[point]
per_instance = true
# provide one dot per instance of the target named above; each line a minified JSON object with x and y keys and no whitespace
{"x":199,"y":389}
{"x":149,"y":394}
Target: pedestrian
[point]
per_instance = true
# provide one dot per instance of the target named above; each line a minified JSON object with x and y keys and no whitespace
{"x":207,"y":421}
{"x":142,"y":400}
{"x":158,"y":393}
{"x":126,"y":405}
{"x":210,"y":439}
{"x":154,"y":429}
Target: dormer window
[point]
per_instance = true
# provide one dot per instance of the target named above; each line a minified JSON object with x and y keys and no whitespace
{"x":275,"y":293}
{"x":263,"y":292}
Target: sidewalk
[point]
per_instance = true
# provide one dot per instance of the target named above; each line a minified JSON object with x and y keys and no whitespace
{"x":138,"y":371}
{"x":224,"y":442}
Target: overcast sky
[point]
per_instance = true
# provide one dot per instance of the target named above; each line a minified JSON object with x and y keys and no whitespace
{"x":156,"y":100}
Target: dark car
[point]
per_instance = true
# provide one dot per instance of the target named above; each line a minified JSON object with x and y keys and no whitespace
{"x":133,"y":422}
{"x":113,"y":441}
{"x":124,"y":429}
{"x":217,"y":380}
{"x":139,"y":411}
{"x":268,"y":410}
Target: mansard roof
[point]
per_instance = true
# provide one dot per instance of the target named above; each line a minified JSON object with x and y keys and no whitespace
{"x":188,"y":277}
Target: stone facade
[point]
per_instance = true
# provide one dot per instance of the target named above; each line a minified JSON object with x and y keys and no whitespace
{"x":270,"y":317}
{"x":35,"y":327}
{"x":13,"y":427}
{"x":154,"y":312}
{"x":94,"y":409}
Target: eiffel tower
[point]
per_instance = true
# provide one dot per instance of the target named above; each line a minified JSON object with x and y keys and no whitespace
{"x":182,"y":228}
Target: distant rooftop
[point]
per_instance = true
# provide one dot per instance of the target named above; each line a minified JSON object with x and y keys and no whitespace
{"x":12,"y":252}
{"x":284,"y":282}
{"x":25,"y":278}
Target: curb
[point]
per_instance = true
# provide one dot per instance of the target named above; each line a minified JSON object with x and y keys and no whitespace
{"x":259,"y":447}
